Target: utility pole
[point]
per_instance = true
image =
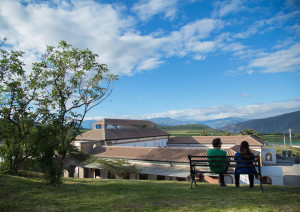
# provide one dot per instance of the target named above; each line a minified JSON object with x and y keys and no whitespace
{"x":284,"y":146}
{"x":291,"y":142}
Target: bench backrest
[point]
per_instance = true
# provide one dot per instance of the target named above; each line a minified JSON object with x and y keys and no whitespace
{"x":229,"y":161}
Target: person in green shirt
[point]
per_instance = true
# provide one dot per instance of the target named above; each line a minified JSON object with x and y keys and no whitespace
{"x":216,"y":151}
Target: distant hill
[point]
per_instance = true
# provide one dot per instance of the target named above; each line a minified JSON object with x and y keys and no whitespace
{"x":168,"y":122}
{"x":268,"y":125}
{"x":189,"y":130}
{"x":217,"y":123}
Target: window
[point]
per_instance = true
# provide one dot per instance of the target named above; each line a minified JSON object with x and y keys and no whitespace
{"x":143,"y":176}
{"x":86,"y":173}
{"x":268,"y":157}
{"x":97,"y":173}
{"x":98,"y":126}
{"x":160,"y":177}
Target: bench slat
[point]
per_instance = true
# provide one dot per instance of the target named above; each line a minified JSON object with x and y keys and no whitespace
{"x":203,"y":161}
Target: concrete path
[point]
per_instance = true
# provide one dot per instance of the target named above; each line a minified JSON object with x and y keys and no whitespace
{"x":291,"y":175}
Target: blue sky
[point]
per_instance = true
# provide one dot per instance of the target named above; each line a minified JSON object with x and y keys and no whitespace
{"x":183,"y":59}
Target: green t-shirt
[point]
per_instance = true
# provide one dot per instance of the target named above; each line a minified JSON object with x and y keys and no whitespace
{"x":216,"y":152}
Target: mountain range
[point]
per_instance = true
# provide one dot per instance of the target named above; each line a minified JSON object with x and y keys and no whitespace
{"x":268,"y":125}
{"x":234,"y":124}
{"x":217,"y":123}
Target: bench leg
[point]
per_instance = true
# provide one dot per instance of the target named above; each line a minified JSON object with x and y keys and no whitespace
{"x":193,"y":180}
{"x":261,"y":188}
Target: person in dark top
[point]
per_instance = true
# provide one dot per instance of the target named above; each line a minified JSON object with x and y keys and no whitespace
{"x":219,"y":168}
{"x":244,"y":154}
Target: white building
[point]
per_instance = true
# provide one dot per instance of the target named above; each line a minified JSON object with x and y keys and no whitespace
{"x":122,"y":132}
{"x":160,"y":156}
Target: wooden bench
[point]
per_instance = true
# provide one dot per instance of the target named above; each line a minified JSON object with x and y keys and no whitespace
{"x":199,"y":163}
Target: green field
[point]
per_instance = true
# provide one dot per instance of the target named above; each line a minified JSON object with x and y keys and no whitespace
{"x":190,"y":130}
{"x":28,"y":193}
{"x":278,"y":139}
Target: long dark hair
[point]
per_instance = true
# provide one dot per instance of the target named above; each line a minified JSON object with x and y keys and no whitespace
{"x":245,"y":151}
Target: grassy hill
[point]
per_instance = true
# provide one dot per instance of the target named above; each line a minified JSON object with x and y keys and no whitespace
{"x":269,"y":125}
{"x":190,"y":130}
{"x":28,"y":193}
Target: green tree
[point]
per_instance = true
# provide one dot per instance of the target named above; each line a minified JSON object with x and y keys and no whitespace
{"x":118,"y":167}
{"x":17,"y":115}
{"x":227,"y":133}
{"x":204,"y":134}
{"x":250,"y":132}
{"x":72,"y":83}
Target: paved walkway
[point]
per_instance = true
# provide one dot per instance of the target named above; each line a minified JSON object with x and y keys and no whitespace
{"x":291,"y":175}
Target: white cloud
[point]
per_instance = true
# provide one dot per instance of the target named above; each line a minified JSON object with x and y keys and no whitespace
{"x":254,"y":111}
{"x":272,"y":23}
{"x":223,"y":8}
{"x":240,"y":70}
{"x":149,"y":64}
{"x":104,"y":29}
{"x":283,"y":44}
{"x":107,"y":31}
{"x":145,"y":9}
{"x":193,"y":38}
{"x":280,"y":61}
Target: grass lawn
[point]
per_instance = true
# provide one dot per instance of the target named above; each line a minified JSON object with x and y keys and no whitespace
{"x":28,"y":193}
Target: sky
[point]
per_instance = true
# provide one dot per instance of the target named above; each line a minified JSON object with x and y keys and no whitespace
{"x":182,"y":59}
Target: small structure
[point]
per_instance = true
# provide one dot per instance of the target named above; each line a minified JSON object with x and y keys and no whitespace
{"x":272,"y":175}
{"x":140,"y":142}
{"x":268,"y":156}
{"x":122,"y":132}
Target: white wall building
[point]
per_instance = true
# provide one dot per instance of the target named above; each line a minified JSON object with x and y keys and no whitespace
{"x":268,"y":156}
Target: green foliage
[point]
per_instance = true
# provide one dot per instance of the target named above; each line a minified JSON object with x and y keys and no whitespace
{"x":227,"y":133}
{"x":204,"y":134}
{"x":71,"y":84}
{"x":250,"y":132}
{"x":16,"y":113}
{"x":117,"y":167}
{"x":41,"y":113}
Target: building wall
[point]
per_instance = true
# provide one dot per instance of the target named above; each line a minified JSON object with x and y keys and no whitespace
{"x":143,"y":142}
{"x":86,"y":146}
{"x":268,"y":156}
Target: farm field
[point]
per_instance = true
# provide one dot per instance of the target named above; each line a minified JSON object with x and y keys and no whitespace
{"x":190,"y":130}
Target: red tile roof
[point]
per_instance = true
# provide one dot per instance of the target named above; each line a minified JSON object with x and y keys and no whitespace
{"x":125,"y":122}
{"x":91,"y":135}
{"x":208,"y":140}
{"x":116,"y":134}
{"x":151,"y":154}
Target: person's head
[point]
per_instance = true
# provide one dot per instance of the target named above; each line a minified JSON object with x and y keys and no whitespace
{"x":217,"y":143}
{"x":244,"y":149}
